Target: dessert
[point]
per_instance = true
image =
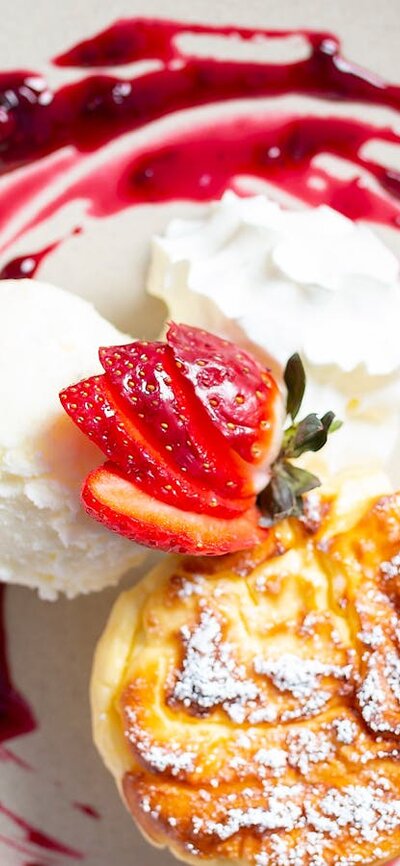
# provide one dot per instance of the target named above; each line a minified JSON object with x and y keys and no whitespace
{"x":249,"y":706}
{"x":269,"y":734}
{"x":46,"y":541}
{"x":193,"y":428}
{"x":310,"y":281}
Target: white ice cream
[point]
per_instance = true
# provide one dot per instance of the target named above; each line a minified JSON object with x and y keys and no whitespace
{"x":49,"y":339}
{"x":310,"y":281}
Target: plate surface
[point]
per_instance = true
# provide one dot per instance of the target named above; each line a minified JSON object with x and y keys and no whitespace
{"x":51,"y":645}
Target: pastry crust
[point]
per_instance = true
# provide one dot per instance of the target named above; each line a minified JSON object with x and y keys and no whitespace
{"x":249,"y":706}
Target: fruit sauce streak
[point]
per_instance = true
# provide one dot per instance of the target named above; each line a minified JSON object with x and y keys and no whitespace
{"x":87,"y":810}
{"x":24,"y":267}
{"x":80,"y":118}
{"x":16,"y":718}
{"x":33,"y":838}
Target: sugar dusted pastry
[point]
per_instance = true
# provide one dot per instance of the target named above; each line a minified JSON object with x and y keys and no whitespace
{"x":49,"y":337}
{"x":249,"y":706}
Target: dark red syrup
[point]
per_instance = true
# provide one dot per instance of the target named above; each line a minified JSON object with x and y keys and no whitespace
{"x":23,"y":267}
{"x":16,"y":717}
{"x":85,"y":115}
{"x":32,"y":836}
{"x":96,"y":109}
{"x":200,"y":165}
{"x":88,"y":810}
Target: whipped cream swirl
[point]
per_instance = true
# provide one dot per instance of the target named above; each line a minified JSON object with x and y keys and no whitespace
{"x":311,"y":281}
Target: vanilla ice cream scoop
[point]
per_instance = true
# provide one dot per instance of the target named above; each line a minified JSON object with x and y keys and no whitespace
{"x":49,"y":339}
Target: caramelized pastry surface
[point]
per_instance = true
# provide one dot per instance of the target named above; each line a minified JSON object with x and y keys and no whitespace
{"x":249,"y":706}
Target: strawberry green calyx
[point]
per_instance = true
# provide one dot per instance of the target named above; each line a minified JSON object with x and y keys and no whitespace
{"x":283,"y":496}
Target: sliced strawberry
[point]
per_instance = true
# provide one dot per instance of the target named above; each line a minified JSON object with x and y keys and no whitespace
{"x":95,"y":411}
{"x":121,"y":506}
{"x":240,"y":395}
{"x":148,"y":380}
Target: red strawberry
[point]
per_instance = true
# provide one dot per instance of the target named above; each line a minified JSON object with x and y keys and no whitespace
{"x":113,"y":500}
{"x":149,"y":381}
{"x":97,"y":413}
{"x":191,"y":429}
{"x":239,"y":394}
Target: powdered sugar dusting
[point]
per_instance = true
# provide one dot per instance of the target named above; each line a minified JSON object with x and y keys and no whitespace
{"x":161,"y":759}
{"x":280,"y":812}
{"x":362,"y":809}
{"x":188,"y":588}
{"x":274,"y":758}
{"x":301,"y":678}
{"x":210,"y":676}
{"x":306,"y":748}
{"x":392,"y":567}
{"x":346,"y":731}
{"x":382,"y":676}
{"x":306,"y":851}
{"x":291,"y":673}
{"x":372,"y":637}
{"x":392,"y":674}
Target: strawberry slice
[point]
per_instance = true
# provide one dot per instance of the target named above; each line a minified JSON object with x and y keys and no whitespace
{"x":148,"y":380}
{"x":95,"y":411}
{"x":123,"y":507}
{"x":240,"y":396}
{"x":193,"y":430}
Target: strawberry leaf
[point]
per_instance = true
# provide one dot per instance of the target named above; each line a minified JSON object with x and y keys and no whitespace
{"x":283,"y":496}
{"x":300,"y":479}
{"x":295,"y":381}
{"x":310,"y":434}
{"x":277,"y":501}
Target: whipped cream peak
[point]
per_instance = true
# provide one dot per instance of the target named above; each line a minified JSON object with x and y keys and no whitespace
{"x":309,"y":279}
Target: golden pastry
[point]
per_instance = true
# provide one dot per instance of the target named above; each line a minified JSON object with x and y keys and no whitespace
{"x":249,"y":705}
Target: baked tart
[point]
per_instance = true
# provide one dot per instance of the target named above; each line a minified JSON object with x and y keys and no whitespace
{"x":248,"y":705}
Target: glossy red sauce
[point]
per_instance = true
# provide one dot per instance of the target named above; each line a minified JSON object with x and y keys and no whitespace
{"x":98,"y":108}
{"x":23,"y":267}
{"x":16,"y":717}
{"x":200,"y":165}
{"x":88,"y":810}
{"x":32,"y":836}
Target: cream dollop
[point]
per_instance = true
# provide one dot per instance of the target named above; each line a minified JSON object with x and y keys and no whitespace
{"x":311,"y":281}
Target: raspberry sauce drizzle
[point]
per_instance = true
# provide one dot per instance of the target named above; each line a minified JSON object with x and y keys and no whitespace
{"x":23,"y":267}
{"x":34,"y":838}
{"x":98,"y":108}
{"x":16,"y":718}
{"x":87,"y":810}
{"x":34,"y":121}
